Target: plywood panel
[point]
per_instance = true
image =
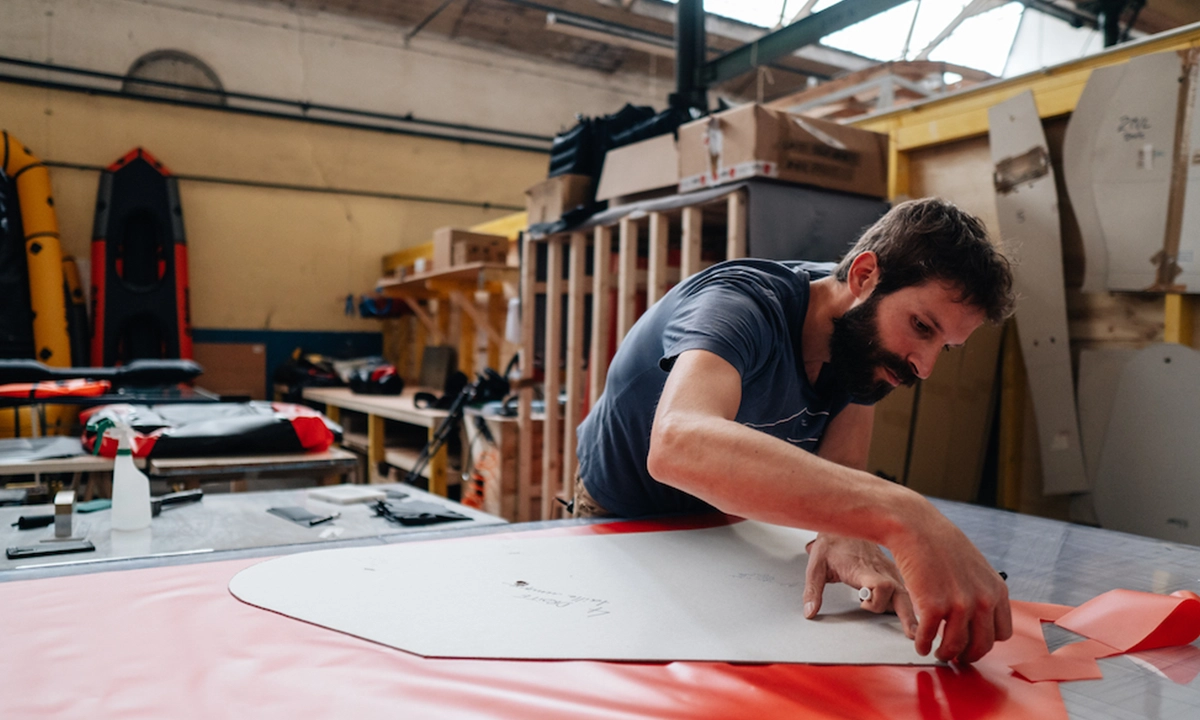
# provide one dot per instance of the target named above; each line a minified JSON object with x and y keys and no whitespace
{"x":233,"y":368}
{"x":952,"y":420}
{"x":1099,"y":374}
{"x":1078,"y":147}
{"x":1146,"y":481}
{"x":1131,"y":167}
{"x":1026,"y":203}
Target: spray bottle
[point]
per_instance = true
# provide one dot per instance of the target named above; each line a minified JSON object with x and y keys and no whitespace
{"x":130,"y":487}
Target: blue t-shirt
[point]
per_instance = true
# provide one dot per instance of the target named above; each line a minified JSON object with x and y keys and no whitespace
{"x":750,"y":313}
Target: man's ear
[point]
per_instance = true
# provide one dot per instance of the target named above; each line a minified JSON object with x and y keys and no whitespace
{"x":864,"y":274}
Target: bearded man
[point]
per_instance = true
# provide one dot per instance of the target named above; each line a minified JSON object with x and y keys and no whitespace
{"x":748,"y":389}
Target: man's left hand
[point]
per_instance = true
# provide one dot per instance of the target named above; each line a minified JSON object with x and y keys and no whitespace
{"x":859,"y":564}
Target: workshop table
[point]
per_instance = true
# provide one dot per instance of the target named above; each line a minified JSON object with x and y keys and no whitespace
{"x":378,"y":409}
{"x":236,"y":468}
{"x":228,"y":659}
{"x":218,"y":522}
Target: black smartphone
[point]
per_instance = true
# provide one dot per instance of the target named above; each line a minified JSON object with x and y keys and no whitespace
{"x":51,"y":548}
{"x":301,"y":515}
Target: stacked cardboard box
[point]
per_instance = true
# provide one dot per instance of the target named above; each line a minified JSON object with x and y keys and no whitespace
{"x":754,"y":141}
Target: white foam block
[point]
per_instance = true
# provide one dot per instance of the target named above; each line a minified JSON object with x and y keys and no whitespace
{"x":730,"y":593}
{"x":346,"y":494}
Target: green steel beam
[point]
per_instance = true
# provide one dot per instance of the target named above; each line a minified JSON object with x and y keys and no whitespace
{"x":805,"y":31}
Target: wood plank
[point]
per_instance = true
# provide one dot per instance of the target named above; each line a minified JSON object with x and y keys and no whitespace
{"x":1014,"y":388}
{"x":656,"y":281}
{"x":436,"y":471}
{"x":525,"y":394}
{"x":1179,"y":318}
{"x":551,"y":441}
{"x":375,"y":451}
{"x":238,"y":369}
{"x":393,"y":407}
{"x":954,"y":419}
{"x":576,"y":285}
{"x":497,"y":318}
{"x":466,"y":332}
{"x":1114,"y":319}
{"x":735,"y":229}
{"x":689,"y":251}
{"x":626,"y":277}
{"x":601,"y":310}
{"x":480,"y":321}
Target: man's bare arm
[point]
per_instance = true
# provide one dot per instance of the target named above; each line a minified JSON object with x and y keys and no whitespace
{"x":697,"y":446}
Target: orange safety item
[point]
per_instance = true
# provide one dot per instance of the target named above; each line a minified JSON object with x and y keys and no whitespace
{"x":56,"y":388}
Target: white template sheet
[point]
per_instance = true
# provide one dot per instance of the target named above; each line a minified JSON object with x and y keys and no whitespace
{"x":730,"y":593}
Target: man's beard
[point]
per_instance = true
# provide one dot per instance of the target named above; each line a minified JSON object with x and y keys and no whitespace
{"x":856,"y":353}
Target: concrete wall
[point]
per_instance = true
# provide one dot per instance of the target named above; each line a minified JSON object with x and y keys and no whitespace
{"x":286,"y":218}
{"x":268,"y":49}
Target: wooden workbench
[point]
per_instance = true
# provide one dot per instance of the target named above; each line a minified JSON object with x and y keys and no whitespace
{"x":379,"y":409}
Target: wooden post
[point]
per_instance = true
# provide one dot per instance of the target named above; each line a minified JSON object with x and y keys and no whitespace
{"x":689,"y":251}
{"x":551,"y":440}
{"x":576,"y":291}
{"x":1013,"y":384}
{"x":656,"y":280}
{"x":525,"y":398}
{"x":626,"y":277}
{"x":898,"y":171}
{"x":735,"y":232}
{"x":601,"y":310}
{"x":1178,"y":319}
{"x":497,"y":314}
{"x":466,"y":333}
{"x":437,"y":467}
{"x":441,"y":318}
{"x":427,"y":321}
{"x":375,"y":447}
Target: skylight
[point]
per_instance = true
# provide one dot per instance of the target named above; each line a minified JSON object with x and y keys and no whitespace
{"x":982,"y":42}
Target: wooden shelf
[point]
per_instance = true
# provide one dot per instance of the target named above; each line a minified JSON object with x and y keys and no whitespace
{"x":424,"y":285}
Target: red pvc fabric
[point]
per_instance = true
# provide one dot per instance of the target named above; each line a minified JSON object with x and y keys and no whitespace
{"x":172,"y":642}
{"x":308,"y":424}
{"x":79,"y":387}
{"x":1130,"y":620}
{"x":1114,"y":623}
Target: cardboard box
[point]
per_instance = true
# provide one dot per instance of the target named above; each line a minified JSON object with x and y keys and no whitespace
{"x":447,"y":240}
{"x":493,"y":249}
{"x":754,"y":141}
{"x":648,"y":165}
{"x":549,"y":199}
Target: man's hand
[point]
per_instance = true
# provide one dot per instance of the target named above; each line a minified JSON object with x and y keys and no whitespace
{"x":859,"y":564}
{"x":951,"y":583}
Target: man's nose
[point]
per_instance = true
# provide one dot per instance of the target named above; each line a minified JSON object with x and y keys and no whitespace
{"x":921,"y":361}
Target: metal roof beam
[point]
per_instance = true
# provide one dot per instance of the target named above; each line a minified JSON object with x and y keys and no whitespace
{"x":805,"y":31}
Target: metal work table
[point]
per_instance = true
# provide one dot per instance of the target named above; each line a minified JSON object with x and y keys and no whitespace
{"x":218,"y":523}
{"x":1051,"y":561}
{"x":1045,"y":560}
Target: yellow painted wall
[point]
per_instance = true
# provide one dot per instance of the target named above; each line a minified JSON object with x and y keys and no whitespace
{"x":268,"y":257}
